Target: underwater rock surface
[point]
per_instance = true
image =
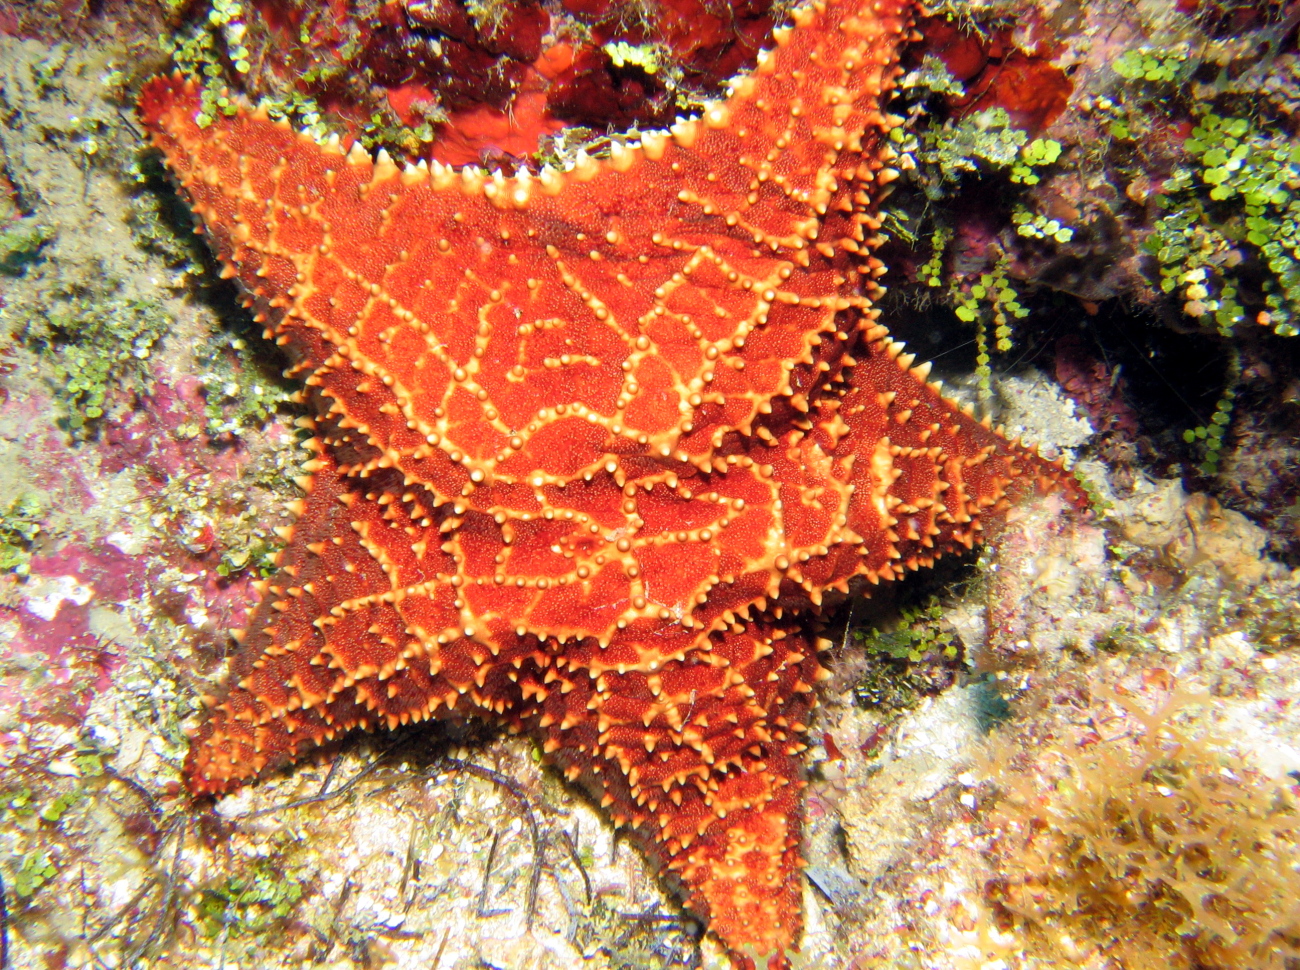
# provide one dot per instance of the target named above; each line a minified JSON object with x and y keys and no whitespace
{"x":980,"y":726}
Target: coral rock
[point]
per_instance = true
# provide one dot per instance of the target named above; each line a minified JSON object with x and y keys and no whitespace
{"x":590,"y":446}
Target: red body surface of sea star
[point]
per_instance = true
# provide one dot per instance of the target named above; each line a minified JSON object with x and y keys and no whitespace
{"x":590,"y":445}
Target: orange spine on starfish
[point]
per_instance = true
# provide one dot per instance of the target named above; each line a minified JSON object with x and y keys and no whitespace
{"x":589,"y":444}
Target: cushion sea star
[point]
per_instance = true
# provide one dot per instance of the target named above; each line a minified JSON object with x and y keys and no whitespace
{"x":591,"y":444}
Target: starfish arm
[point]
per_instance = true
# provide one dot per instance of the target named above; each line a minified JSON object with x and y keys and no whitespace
{"x":923,"y":475}
{"x":700,"y":760}
{"x":363,"y":626}
{"x":278,"y":699}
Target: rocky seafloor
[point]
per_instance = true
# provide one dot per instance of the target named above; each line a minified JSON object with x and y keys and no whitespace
{"x":1077,"y":748}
